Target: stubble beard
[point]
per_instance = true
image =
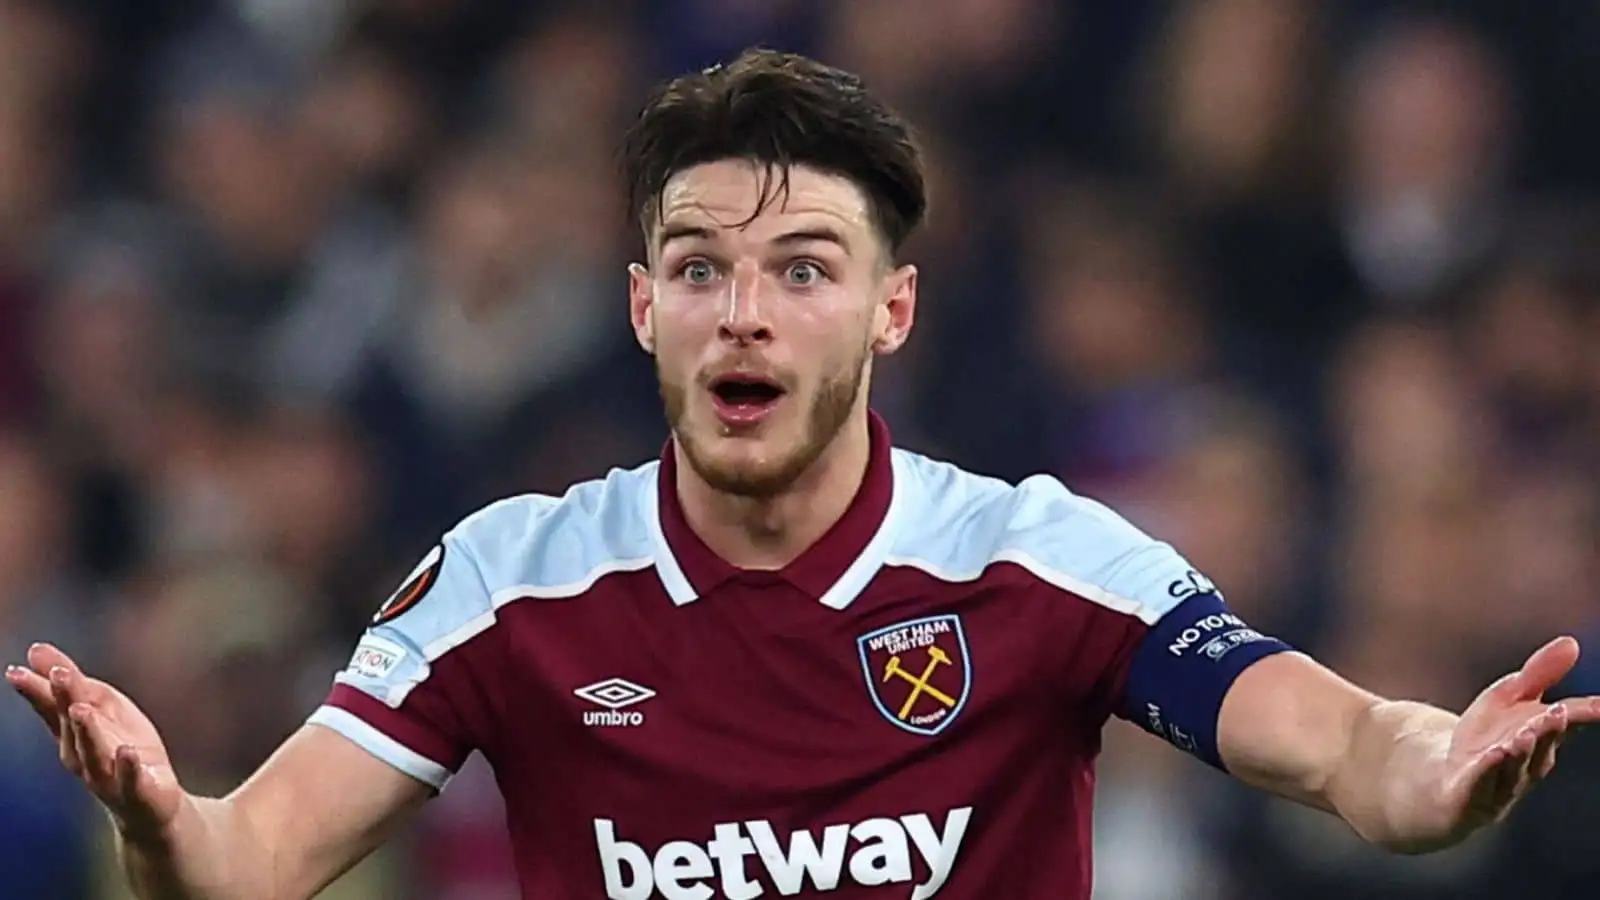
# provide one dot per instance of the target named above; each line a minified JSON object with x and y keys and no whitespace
{"x":758,"y":480}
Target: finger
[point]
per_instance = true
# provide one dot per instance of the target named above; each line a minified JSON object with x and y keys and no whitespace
{"x":1526,"y":738}
{"x":1484,"y":783}
{"x":44,"y":657}
{"x":1519,"y":771}
{"x":1558,"y":721}
{"x":1556,"y":718}
{"x":96,"y":743}
{"x":1510,"y":776}
{"x":1480,"y":779}
{"x":1551,"y":720}
{"x":1582,"y":710}
{"x":79,"y":687}
{"x":1526,"y":753}
{"x":1518,"y":749}
{"x":1507,"y":775}
{"x":1544,"y":756}
{"x":1544,"y":670}
{"x":36,"y":690}
{"x":136,"y":788}
{"x":67,"y":736}
{"x":126,"y":760}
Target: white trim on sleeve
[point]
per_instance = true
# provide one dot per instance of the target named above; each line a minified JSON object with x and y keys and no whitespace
{"x":382,"y":746}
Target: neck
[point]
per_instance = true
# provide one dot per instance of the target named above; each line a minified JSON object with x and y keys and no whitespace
{"x":771,"y":532}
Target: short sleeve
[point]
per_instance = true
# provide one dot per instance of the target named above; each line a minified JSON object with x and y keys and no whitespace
{"x":409,"y":694}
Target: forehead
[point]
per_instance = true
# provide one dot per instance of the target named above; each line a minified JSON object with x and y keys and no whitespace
{"x":725,"y":195}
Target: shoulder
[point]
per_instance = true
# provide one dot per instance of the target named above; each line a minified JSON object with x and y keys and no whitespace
{"x":957,"y":525}
{"x":524,"y":547}
{"x":544,"y":545}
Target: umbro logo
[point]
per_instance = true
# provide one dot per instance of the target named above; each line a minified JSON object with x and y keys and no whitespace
{"x":615,"y":694}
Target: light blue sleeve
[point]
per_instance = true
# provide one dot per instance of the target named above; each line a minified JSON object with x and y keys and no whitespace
{"x":395,"y":698}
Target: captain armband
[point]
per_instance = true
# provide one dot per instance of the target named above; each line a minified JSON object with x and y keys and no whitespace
{"x":1184,"y":667}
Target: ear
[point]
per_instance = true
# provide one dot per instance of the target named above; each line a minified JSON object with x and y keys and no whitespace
{"x":894,"y":317}
{"x":641,"y":299}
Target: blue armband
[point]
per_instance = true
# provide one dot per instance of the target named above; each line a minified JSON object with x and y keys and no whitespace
{"x":1183,"y":668}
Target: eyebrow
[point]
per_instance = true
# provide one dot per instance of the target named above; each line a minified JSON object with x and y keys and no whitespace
{"x":808,"y":235}
{"x":681,"y":231}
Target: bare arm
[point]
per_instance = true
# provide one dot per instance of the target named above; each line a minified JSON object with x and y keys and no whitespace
{"x":1407,"y":776}
{"x":328,"y":802}
{"x":312,"y":811}
{"x":318,"y":806}
{"x":1293,"y":727}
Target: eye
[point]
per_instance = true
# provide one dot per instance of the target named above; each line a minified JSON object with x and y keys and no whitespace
{"x":697,"y":271}
{"x":804,"y":273}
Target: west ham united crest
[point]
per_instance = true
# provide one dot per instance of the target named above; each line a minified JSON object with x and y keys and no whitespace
{"x":918,"y":672}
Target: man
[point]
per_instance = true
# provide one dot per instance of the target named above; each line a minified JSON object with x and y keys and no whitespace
{"x":789,"y":659}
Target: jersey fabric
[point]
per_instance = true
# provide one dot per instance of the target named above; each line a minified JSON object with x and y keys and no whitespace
{"x":912,"y":708}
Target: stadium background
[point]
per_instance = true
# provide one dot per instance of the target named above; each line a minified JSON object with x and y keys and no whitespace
{"x":287,"y":286}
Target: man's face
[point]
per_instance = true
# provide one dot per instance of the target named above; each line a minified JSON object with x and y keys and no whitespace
{"x":763,"y":333}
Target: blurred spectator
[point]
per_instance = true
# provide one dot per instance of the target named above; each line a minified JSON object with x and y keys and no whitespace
{"x":38,"y":86}
{"x":1117,"y":337}
{"x":1526,"y":333}
{"x":955,"y":66}
{"x":1430,"y":130}
{"x":565,"y":85}
{"x":291,"y":276}
{"x":1236,"y":497}
{"x":309,"y":494}
{"x":505,"y":316}
{"x":103,"y":358}
{"x":369,"y":122}
{"x":1232,"y":94}
{"x":1234,"y":109}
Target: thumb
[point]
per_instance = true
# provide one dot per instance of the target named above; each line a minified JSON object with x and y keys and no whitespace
{"x":1544,"y":670}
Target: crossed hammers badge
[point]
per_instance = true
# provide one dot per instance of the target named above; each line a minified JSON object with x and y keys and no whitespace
{"x":919,"y":683}
{"x":940,"y":678}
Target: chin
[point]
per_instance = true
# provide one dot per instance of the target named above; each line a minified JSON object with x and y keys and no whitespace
{"x":751,"y":481}
{"x":753,"y":465}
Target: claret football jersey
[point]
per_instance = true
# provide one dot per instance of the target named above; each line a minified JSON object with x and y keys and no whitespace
{"x":911,"y":709}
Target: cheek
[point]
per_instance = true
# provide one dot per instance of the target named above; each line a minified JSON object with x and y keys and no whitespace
{"x":683,"y":314}
{"x":671,"y":351}
{"x":829,"y":354}
{"x":676,"y":344}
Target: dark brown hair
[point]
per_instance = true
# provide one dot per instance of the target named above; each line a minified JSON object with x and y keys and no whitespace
{"x":779,"y":110}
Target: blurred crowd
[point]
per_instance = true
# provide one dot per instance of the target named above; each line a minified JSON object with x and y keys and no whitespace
{"x":1307,"y":288}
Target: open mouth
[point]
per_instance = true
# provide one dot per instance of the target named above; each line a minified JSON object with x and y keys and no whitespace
{"x":745,"y":398}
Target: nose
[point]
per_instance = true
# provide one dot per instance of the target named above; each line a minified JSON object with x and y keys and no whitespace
{"x":744,"y":318}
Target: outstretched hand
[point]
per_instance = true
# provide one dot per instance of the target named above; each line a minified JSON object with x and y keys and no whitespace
{"x":104,"y":739}
{"x":1506,"y":741}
